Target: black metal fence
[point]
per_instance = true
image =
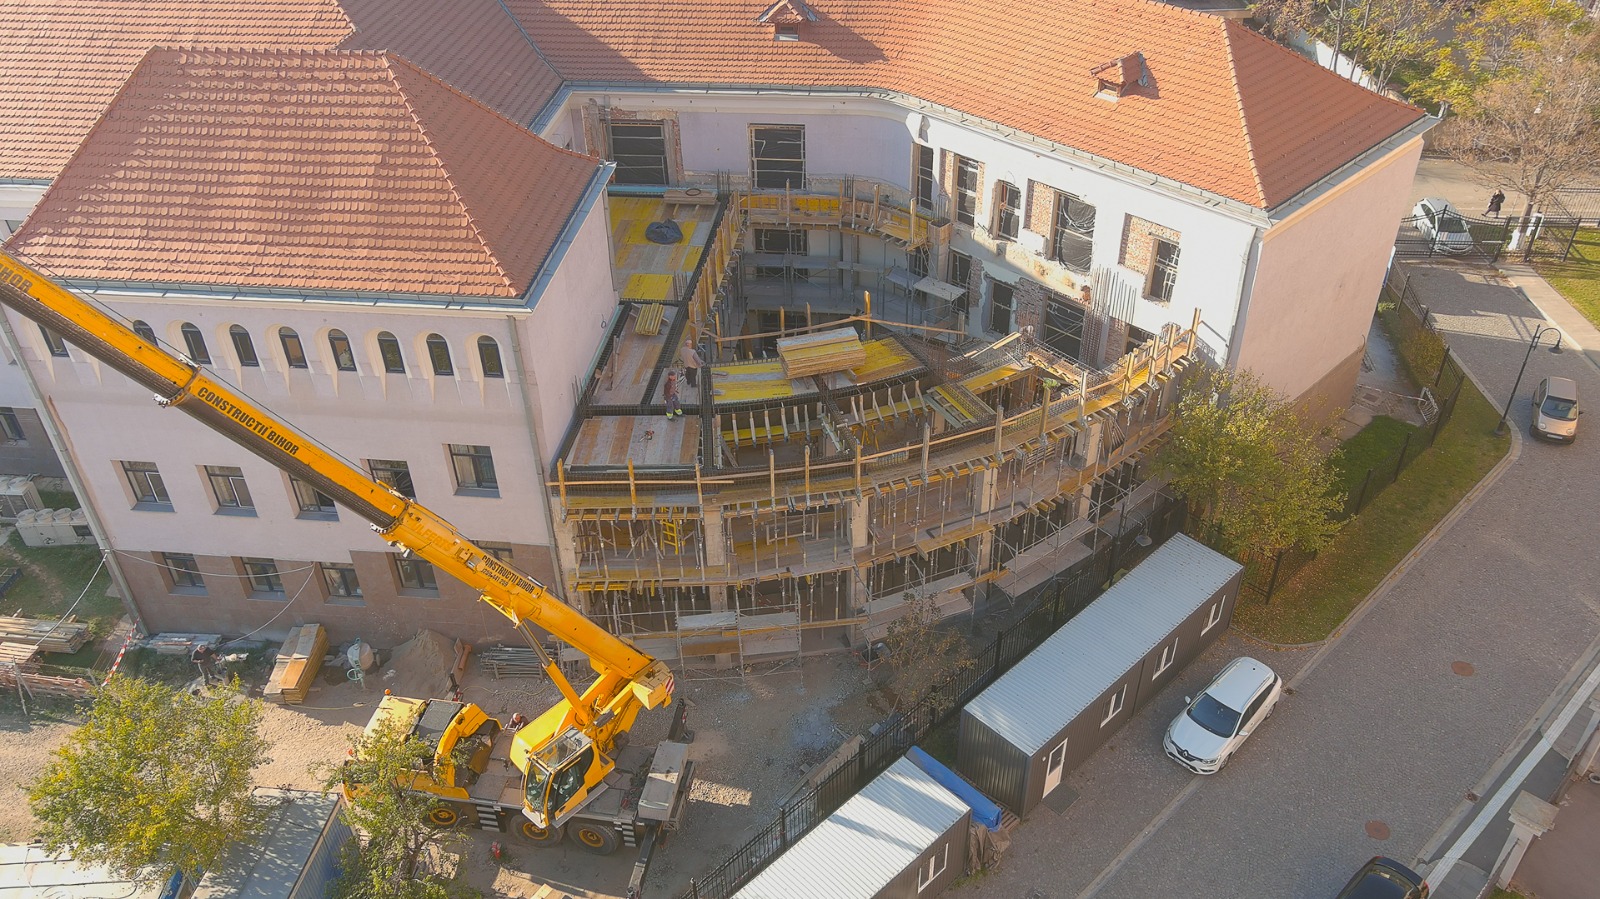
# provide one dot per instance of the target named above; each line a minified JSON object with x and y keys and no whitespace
{"x":1581,"y":203}
{"x":1046,"y":609}
{"x":1489,"y":239}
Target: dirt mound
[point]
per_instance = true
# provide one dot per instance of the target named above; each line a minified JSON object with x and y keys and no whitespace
{"x":420,"y":667}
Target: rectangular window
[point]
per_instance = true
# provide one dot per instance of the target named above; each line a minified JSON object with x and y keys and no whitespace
{"x":395,"y":473}
{"x":1001,"y":298}
{"x":10,"y":425}
{"x":183,"y":571}
{"x":1213,"y":615}
{"x":415,"y":574}
{"x":312,"y":503}
{"x":228,"y":486}
{"x":789,"y":242}
{"x":341,"y":580}
{"x":961,"y":276}
{"x":1137,"y":337}
{"x":966,"y":191}
{"x":474,"y":467}
{"x":640,"y":152}
{"x":1007,"y":210}
{"x":778,"y":157}
{"x":262,"y":575}
{"x":1115,"y":704}
{"x":1163,"y":271}
{"x":1063,"y":328}
{"x":924,"y":177}
{"x":53,"y":342}
{"x":145,"y":479}
{"x":929,"y":870}
{"x":1073,"y":245}
{"x":1168,"y":653}
{"x":501,"y":551}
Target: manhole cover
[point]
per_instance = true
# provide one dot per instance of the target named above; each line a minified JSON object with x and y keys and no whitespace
{"x":1464,"y":669}
{"x":1377,"y":830}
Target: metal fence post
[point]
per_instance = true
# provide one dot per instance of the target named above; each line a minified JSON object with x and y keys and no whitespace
{"x":783,"y":826}
{"x":1272,"y":582}
{"x":1401,"y":465}
{"x":1442,"y":362}
{"x":1361,"y":497}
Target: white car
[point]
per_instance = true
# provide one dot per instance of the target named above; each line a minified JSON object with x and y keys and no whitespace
{"x":1215,"y":724}
{"x":1442,"y":225}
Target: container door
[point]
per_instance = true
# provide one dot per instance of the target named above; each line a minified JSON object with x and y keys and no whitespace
{"x":1054,"y":764}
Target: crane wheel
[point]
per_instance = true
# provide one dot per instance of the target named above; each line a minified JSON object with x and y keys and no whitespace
{"x":596,"y":838}
{"x":443,"y":816}
{"x":542,"y":837}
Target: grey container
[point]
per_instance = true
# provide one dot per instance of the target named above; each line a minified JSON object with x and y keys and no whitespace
{"x":296,"y":857}
{"x":1022,"y":734}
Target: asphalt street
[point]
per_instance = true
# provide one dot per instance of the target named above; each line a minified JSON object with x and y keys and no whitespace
{"x":1411,"y":707}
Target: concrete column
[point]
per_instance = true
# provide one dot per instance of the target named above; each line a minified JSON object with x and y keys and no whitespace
{"x":1091,"y":452}
{"x":713,"y":537}
{"x":984,"y":488}
{"x":1530,"y":818}
{"x":860,"y":539}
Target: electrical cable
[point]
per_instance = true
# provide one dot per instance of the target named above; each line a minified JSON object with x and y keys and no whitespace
{"x":137,"y":558}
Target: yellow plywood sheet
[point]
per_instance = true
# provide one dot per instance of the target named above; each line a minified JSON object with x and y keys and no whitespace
{"x":749,"y":381}
{"x":648,"y":287}
{"x":886,"y":358}
{"x":994,"y":377}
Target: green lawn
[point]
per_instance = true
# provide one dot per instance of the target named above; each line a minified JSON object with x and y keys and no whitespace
{"x":1578,"y":279}
{"x":52,"y":578}
{"x":1319,"y":598}
{"x":1377,"y":448}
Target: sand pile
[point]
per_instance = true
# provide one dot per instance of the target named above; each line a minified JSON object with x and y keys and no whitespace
{"x":420,"y":667}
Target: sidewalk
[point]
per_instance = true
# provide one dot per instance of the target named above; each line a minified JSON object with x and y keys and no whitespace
{"x":1577,"y":332}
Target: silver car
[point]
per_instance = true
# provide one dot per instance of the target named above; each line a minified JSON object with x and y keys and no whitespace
{"x":1215,"y":724}
{"x":1555,"y":410}
{"x":1442,"y":225}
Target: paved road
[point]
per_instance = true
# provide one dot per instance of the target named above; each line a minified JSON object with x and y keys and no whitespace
{"x":1383,"y":738}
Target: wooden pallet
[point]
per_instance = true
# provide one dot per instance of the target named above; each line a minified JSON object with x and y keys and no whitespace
{"x":298,"y":663}
{"x":649,"y":321}
{"x":821,"y":353}
{"x":47,"y":634}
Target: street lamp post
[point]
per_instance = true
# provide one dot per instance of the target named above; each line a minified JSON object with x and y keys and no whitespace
{"x":1500,"y":428}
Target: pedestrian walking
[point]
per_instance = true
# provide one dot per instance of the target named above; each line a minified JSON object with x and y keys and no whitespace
{"x":1495,"y":201}
{"x":691,"y":362}
{"x":669,"y":392}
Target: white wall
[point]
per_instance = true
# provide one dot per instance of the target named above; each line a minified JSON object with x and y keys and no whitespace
{"x":16,"y":201}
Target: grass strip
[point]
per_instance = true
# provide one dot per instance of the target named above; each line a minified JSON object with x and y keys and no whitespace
{"x":1578,"y":279}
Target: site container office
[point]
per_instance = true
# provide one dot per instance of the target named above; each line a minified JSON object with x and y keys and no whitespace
{"x":296,"y":857}
{"x":1020,"y":737}
{"x":903,"y":836}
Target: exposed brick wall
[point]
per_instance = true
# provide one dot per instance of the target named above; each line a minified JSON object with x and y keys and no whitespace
{"x":594,"y":132}
{"x":1039,"y":217}
{"x":947,"y":176}
{"x":1030,"y":299}
{"x":1139,"y":242}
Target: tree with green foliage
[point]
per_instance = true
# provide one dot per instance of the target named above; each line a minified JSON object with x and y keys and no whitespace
{"x":154,"y":780}
{"x":398,"y":825}
{"x":1383,"y":37}
{"x":923,"y":654}
{"x":1494,"y":41}
{"x":1250,"y":464}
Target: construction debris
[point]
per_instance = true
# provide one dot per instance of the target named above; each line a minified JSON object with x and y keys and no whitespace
{"x":298,"y":663}
{"x":422,"y":667}
{"x":180,"y":644}
{"x":48,"y":635}
{"x":821,"y":353}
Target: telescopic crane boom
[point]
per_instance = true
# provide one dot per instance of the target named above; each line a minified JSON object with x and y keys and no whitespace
{"x":563,"y":753}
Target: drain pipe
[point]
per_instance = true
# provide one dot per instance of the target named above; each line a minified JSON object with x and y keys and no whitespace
{"x":69,"y":464}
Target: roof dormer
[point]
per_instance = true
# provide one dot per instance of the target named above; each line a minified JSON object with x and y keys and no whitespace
{"x":786,"y":17}
{"x":1119,"y":77}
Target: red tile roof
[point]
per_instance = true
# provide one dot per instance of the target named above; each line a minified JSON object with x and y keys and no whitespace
{"x":61,"y":62}
{"x":1226,"y":110}
{"x":315,"y":170}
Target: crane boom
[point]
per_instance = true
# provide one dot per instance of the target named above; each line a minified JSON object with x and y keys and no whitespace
{"x":627,"y":675}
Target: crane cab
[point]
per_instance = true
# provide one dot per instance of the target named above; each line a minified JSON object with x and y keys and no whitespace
{"x":560,"y":776}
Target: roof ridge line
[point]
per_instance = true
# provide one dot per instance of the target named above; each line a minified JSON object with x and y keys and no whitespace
{"x":1282,"y":48}
{"x":529,"y":38}
{"x":433,"y":149}
{"x":1244,"y":118}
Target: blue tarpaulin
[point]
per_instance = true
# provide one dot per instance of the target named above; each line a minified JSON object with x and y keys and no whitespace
{"x":984,"y":811}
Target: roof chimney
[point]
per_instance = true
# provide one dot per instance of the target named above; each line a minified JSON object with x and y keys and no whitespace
{"x":1119,"y":77}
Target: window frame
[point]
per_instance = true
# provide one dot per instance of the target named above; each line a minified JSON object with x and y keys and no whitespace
{"x":192,"y":579}
{"x":218,"y":475}
{"x":1010,"y":307}
{"x":638,"y":167}
{"x":294,"y":351}
{"x":378,"y":468}
{"x":346,"y":361}
{"x":479,"y":462}
{"x":1213,"y":616}
{"x":967,"y":175}
{"x":922,"y":173}
{"x":486,"y":346}
{"x":1162,"y":279}
{"x":194,"y":343}
{"x":1066,"y":231}
{"x":937,"y":864}
{"x":142,"y":328}
{"x":155,"y":496}
{"x":243,"y":347}
{"x":262,"y":575}
{"x":790,"y":242}
{"x":11,"y":425}
{"x":439,"y":356}
{"x":963,"y":280}
{"x":1169,"y":653}
{"x":54,"y":343}
{"x":389,"y":344}
{"x":415,"y":575}
{"x":318,"y":506}
{"x":345,"y":576}
{"x":1115,"y":704}
{"x":1007,"y":215}
{"x":777,"y":172}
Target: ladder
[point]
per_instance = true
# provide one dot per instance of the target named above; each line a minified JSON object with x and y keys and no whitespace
{"x":671,"y":536}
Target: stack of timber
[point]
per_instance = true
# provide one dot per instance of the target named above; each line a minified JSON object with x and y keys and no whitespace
{"x":48,"y":635}
{"x":511,"y":661}
{"x":170,"y":644}
{"x":35,"y":684}
{"x":298,"y":663}
{"x":821,"y":353}
{"x":18,"y":655}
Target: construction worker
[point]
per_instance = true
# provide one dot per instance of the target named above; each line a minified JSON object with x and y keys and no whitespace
{"x":669,"y":392}
{"x":691,"y":362}
{"x":205,"y":658}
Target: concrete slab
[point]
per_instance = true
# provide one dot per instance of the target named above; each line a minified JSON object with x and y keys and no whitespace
{"x":1563,"y":863}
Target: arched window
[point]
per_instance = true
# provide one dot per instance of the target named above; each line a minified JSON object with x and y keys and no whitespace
{"x":344,"y":358}
{"x":489,"y":355}
{"x":439,"y":355}
{"x":195,"y":343}
{"x":292,"y":350}
{"x":389,"y":349}
{"x":145,"y":331}
{"x":243,"y":346}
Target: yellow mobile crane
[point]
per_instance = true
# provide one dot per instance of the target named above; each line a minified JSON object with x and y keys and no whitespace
{"x":565,"y":754}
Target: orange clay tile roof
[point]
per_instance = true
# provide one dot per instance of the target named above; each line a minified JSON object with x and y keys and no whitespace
{"x":313,"y":170}
{"x":1226,"y":110}
{"x":61,"y":61}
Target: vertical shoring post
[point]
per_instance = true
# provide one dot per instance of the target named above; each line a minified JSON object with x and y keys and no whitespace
{"x":808,"y":475}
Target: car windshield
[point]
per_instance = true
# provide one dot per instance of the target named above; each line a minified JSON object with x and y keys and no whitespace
{"x":1452,"y":224}
{"x":1214,"y":716}
{"x":1558,"y":408}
